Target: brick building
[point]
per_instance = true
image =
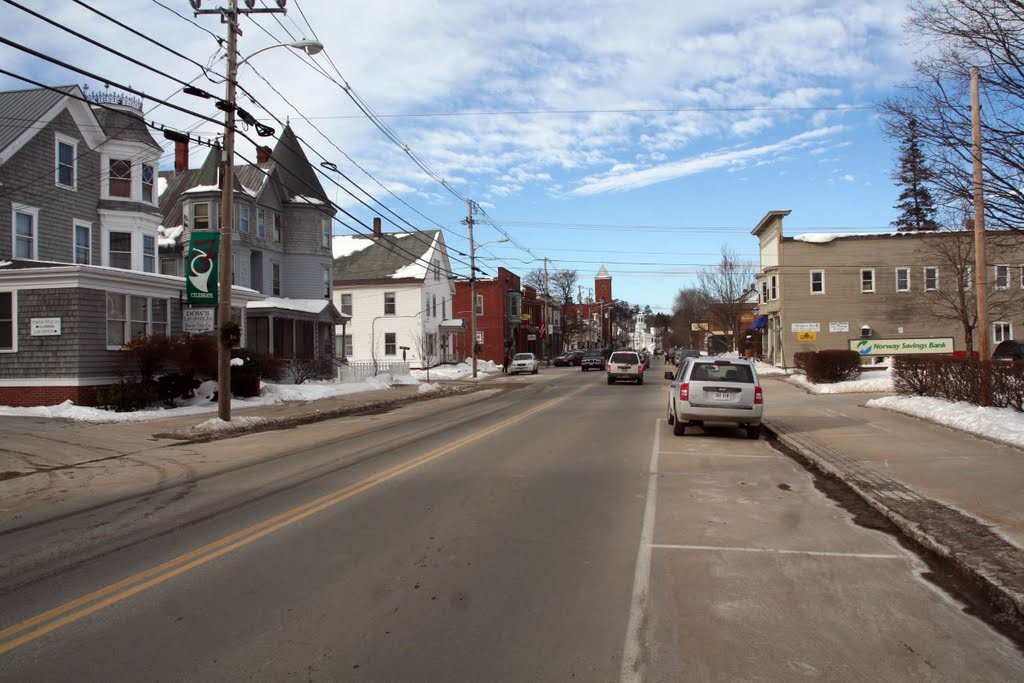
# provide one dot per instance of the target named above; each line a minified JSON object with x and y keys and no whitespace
{"x":499,"y":314}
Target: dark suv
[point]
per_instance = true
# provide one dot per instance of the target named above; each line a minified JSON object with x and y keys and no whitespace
{"x":1008,"y":349}
{"x":592,"y":360}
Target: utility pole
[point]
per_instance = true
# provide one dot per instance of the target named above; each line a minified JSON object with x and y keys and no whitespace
{"x":229,"y":16}
{"x":980,"y":261}
{"x":472,"y":281}
{"x":547,"y":303}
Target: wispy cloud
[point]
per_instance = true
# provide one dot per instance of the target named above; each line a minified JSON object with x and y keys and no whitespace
{"x":619,"y":181}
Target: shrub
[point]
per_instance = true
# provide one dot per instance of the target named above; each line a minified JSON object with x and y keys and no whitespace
{"x":914,"y":375}
{"x":1008,"y":385}
{"x":175,"y":385}
{"x":196,"y":356}
{"x":151,"y":353}
{"x":800,"y":359}
{"x":832,"y":365}
{"x":303,"y":369}
{"x":128,"y":395}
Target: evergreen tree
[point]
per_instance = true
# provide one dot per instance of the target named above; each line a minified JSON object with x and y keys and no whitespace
{"x":917,"y":211}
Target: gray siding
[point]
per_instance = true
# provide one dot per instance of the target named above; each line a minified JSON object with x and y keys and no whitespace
{"x":302,"y":276}
{"x":28,"y":178}
{"x":55,"y":356}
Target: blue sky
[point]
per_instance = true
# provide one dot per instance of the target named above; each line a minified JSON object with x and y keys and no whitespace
{"x":655,"y":132}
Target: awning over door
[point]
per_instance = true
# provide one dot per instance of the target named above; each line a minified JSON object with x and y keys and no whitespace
{"x":760,"y":322}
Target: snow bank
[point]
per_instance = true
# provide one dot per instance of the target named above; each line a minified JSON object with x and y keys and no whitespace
{"x":769,"y":370}
{"x":1003,"y":425}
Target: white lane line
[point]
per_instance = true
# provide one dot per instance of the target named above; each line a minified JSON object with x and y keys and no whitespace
{"x":871,"y":424}
{"x":632,"y":650}
{"x":776,"y":551}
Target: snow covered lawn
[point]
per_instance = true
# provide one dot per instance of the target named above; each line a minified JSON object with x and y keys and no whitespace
{"x":870,"y":381}
{"x":270,"y":394}
{"x":1003,"y":425}
{"x":484,"y":370}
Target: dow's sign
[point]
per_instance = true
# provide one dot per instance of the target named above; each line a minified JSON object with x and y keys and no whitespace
{"x":201,"y":269}
{"x":898,"y":347}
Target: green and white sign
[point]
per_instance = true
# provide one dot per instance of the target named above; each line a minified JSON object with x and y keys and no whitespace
{"x":898,"y":347}
{"x":201,"y":269}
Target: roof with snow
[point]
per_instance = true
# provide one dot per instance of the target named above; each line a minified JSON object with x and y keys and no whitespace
{"x":392,"y":256}
{"x":602,"y":273}
{"x":318,"y":307}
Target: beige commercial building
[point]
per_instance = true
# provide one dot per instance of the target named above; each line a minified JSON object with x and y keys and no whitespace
{"x":881,"y":293}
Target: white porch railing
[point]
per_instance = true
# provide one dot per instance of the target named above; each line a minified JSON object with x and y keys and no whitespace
{"x":357,"y":372}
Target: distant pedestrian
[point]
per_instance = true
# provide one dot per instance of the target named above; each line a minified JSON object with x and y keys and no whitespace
{"x":508,"y":359}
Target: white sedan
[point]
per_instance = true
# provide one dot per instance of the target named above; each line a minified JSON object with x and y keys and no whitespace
{"x":524,"y":362}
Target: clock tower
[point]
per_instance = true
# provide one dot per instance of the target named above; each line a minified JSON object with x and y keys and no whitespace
{"x":603,"y":286}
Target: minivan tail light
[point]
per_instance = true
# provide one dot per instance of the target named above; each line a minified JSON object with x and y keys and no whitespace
{"x":758,"y":396}
{"x":609,"y":367}
{"x":684,"y":392}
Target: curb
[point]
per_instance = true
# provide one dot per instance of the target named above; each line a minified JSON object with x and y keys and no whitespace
{"x":990,"y":573}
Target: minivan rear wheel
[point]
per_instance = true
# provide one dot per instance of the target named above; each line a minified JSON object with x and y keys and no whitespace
{"x":679,"y":428}
{"x":754,"y":432}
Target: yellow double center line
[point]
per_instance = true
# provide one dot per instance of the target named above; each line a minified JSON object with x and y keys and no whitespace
{"x":74,"y":610}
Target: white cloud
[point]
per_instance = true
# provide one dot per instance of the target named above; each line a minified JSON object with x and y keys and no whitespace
{"x":617,"y":182}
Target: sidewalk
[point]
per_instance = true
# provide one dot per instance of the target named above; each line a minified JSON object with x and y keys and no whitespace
{"x":956,"y":494}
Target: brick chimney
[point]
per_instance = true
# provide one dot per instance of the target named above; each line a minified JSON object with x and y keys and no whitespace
{"x":181,"y":156}
{"x":262,"y":154}
{"x":376,"y":227}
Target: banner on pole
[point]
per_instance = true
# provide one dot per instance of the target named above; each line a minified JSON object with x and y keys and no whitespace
{"x":201,"y":269}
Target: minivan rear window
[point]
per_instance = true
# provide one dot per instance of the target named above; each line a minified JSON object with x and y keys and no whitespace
{"x":711,"y":372}
{"x":630,"y":358}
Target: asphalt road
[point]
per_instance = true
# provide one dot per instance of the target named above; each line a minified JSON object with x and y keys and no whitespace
{"x":557,"y":531}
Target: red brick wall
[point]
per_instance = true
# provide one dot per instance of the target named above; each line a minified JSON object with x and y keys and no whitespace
{"x":23,"y":397}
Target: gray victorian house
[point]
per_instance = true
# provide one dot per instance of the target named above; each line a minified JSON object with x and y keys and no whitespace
{"x":86,"y":263}
{"x":281,"y":243}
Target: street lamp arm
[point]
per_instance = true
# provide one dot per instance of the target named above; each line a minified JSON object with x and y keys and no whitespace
{"x":310,"y":47}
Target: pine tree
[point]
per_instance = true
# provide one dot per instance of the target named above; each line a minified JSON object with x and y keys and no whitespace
{"x":917,"y":211}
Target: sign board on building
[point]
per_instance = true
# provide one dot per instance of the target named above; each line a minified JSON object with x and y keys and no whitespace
{"x":839,"y":327}
{"x":896,"y":347}
{"x":197,"y":320}
{"x":807,"y":327}
{"x":806,"y":336}
{"x":201,"y":268}
{"x":531,"y":337}
{"x":44,"y":327}
{"x":747,"y":317}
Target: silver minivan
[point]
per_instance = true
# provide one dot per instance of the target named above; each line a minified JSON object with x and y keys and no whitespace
{"x":716,"y":390}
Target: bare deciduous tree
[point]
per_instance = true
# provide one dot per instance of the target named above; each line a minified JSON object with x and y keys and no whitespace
{"x":725,"y":285}
{"x":690,"y":308}
{"x":535,"y":279}
{"x":988,"y":34}
{"x":563,"y":284}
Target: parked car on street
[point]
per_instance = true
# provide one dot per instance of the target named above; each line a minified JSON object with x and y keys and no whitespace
{"x":1009,"y":349}
{"x":524,"y":362}
{"x":684,"y":353}
{"x":715,"y":390}
{"x":592,"y":360}
{"x":569,"y":358}
{"x":625,"y":365}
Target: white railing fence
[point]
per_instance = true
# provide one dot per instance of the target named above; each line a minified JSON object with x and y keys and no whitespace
{"x":357,"y":372}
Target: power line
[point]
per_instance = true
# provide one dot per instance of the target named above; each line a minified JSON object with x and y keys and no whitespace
{"x":573,"y":112}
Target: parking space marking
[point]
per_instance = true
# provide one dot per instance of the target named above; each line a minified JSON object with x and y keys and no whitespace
{"x":726,"y":455}
{"x":632,"y":650}
{"x":777,"y":551}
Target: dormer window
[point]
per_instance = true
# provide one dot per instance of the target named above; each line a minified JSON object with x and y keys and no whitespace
{"x":121,"y":178}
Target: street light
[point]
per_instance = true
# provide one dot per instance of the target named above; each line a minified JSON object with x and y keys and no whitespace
{"x":310,"y":47}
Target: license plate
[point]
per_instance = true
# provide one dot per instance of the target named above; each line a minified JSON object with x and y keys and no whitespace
{"x":624,"y":367}
{"x":722,"y":396}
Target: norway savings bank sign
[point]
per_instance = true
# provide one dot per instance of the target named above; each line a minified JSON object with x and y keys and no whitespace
{"x":201,"y":269}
